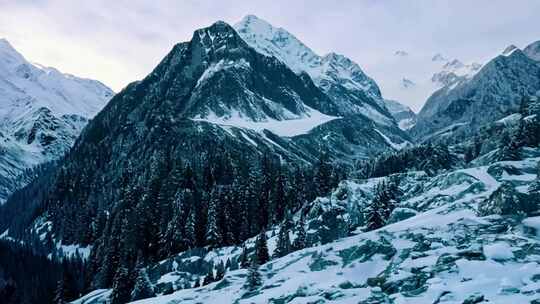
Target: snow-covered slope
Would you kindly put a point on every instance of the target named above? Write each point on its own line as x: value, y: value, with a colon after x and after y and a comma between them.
x: 338, y: 76
x: 42, y: 111
x: 455, y: 238
x: 403, y: 115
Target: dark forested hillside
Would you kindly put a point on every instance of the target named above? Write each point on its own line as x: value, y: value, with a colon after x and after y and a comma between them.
x: 27, y: 276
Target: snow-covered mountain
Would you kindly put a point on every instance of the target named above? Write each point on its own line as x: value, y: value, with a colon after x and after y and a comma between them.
x: 495, y: 90
x: 404, y: 116
x: 42, y: 111
x: 533, y: 51
x: 454, y: 71
x: 411, y: 79
x: 338, y: 76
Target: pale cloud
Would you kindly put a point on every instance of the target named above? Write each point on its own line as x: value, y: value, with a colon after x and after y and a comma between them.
x: 121, y: 41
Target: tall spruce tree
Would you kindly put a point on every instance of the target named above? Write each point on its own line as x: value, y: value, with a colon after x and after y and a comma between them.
x: 300, y: 242
x: 244, y: 258
x: 121, y: 291
x: 254, y: 278
x: 534, y: 187
x: 508, y: 149
x: 220, y: 271
x: 213, y: 238
x: 376, y: 211
x: 59, y: 297
x: 323, y: 175
x: 143, y: 288
x: 261, y: 249
x: 283, y: 246
x: 209, y: 278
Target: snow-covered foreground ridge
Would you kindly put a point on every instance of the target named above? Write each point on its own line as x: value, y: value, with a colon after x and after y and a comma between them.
x: 438, y: 249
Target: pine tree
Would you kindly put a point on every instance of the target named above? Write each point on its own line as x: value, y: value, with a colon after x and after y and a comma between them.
x: 254, y: 278
x: 390, y: 195
x: 534, y: 188
x: 300, y: 242
x: 278, y: 198
x: 323, y: 175
x: 213, y: 238
x: 121, y: 287
x: 190, y: 237
x: 283, y: 246
x: 244, y: 259
x: 143, y: 288
x: 197, y: 283
x: 220, y: 271
x: 508, y: 149
x: 59, y: 293
x: 209, y: 278
x: 233, y: 264
x: 375, y: 213
x: 261, y: 249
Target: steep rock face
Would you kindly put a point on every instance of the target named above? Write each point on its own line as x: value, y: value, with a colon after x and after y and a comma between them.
x: 494, y: 91
x: 42, y: 111
x: 403, y: 115
x: 338, y: 76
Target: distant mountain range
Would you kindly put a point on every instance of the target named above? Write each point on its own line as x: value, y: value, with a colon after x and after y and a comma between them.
x: 495, y: 90
x: 42, y: 111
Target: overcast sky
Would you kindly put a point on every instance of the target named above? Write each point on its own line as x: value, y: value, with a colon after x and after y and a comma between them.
x: 120, y: 41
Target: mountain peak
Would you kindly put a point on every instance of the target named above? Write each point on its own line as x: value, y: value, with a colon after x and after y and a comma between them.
x: 9, y: 57
x: 277, y: 42
x: 509, y: 50
x: 332, y: 72
x: 218, y: 27
x: 533, y: 50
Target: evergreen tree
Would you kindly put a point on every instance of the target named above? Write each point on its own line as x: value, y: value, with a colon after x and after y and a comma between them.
x: 278, y: 198
x: 300, y: 242
x: 375, y: 211
x: 261, y: 249
x: 233, y: 264
x: 59, y: 293
x: 209, y: 278
x: 190, y: 237
x: 143, y: 288
x: 323, y: 175
x: 220, y: 271
x: 213, y: 238
x: 197, y: 283
x: 121, y: 287
x: 534, y: 187
x: 283, y: 246
x: 254, y: 278
x: 244, y: 259
x: 508, y: 149
x: 386, y: 198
